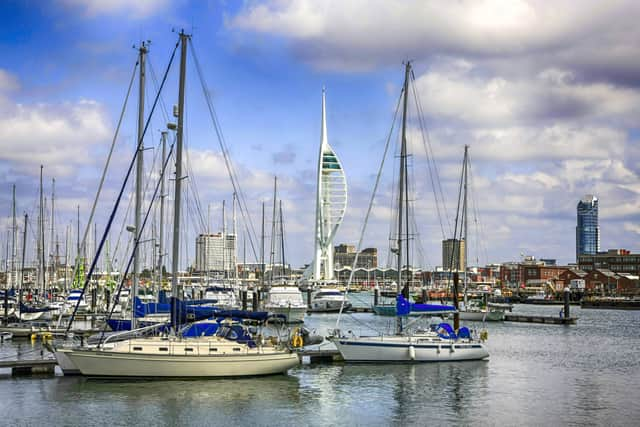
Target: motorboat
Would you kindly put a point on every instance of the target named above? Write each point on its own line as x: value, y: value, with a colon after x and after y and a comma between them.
x: 329, y: 300
x: 286, y: 300
x: 224, y: 296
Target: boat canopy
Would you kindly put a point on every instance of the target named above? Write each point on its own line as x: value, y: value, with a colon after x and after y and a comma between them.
x: 404, y: 307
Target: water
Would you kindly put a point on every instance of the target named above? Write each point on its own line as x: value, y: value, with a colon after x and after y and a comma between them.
x: 587, y: 374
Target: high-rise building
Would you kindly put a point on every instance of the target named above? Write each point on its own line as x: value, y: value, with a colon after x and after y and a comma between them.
x: 216, y: 252
x: 587, y: 229
x: 453, y: 255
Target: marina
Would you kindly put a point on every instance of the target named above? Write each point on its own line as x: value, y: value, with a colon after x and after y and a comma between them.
x: 267, y: 213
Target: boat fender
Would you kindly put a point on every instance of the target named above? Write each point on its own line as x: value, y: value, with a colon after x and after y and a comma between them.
x: 452, y: 348
x: 484, y: 335
x: 412, y: 352
x: 438, y: 349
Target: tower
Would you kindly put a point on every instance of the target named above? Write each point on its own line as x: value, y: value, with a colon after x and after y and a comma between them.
x: 587, y: 229
x: 331, y: 203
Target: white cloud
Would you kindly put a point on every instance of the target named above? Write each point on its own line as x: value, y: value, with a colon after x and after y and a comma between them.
x: 552, y: 95
x: 137, y: 9
x: 361, y: 34
x: 59, y: 136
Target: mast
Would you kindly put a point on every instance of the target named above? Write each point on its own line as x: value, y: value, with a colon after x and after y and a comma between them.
x: 262, y: 249
x: 178, y: 184
x: 464, y: 219
x: 273, y: 229
x: 282, y: 240
x: 52, y: 275
x: 224, y: 242
x: 24, y: 255
x: 162, y: 197
x: 233, y: 250
x: 14, y: 242
x: 139, y: 175
x: 402, y: 192
x: 41, y: 237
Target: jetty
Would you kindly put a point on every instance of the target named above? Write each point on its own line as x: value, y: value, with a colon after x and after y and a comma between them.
x: 30, y: 367
x: 550, y: 320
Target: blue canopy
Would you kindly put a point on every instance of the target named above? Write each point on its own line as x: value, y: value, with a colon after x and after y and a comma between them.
x: 404, y: 307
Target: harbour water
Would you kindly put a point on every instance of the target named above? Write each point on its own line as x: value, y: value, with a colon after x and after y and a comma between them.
x: 584, y: 374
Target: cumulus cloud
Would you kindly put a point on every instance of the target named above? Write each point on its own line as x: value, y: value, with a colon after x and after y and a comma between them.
x: 338, y: 35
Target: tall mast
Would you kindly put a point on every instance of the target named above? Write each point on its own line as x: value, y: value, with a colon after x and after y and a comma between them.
x: 24, y: 255
x: 41, y: 236
x: 233, y: 250
x: 52, y: 275
x: 178, y: 183
x: 139, y: 175
x: 14, y: 241
x: 464, y: 219
x: 402, y: 192
x: 273, y: 228
x: 224, y: 242
x: 282, y: 239
x: 262, y: 249
x: 162, y: 197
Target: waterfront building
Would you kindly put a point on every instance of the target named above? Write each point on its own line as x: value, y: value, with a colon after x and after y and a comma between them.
x: 616, y: 260
x: 344, y: 255
x: 331, y: 203
x: 453, y: 251
x: 587, y: 229
x: 216, y: 252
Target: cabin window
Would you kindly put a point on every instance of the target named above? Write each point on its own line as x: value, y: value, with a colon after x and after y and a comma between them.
x: 163, y: 348
x: 213, y: 349
x: 236, y: 349
x: 188, y: 349
x: 137, y: 348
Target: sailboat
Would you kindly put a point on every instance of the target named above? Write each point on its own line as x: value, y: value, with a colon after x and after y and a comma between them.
x: 233, y: 351
x: 409, y: 343
x: 284, y: 297
x: 471, y: 310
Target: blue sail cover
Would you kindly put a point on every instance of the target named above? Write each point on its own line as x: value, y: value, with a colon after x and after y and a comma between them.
x: 404, y: 307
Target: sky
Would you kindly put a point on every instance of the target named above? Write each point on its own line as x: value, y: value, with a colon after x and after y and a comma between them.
x: 546, y: 95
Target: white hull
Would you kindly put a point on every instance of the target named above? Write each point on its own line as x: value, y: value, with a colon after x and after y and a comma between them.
x: 328, y: 306
x: 407, y: 349
x: 27, y: 317
x: 198, y: 357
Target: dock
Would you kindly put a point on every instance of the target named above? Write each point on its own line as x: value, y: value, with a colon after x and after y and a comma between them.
x: 318, y: 355
x: 549, y: 320
x: 30, y: 367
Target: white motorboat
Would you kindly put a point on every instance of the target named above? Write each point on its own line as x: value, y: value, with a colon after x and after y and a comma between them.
x: 474, y: 312
x: 287, y: 300
x: 225, y: 296
x: 329, y: 300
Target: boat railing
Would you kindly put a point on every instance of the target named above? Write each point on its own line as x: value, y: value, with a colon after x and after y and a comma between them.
x: 134, y: 333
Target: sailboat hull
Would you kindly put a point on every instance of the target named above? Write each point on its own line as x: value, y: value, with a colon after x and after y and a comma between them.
x: 407, y: 350
x: 482, y: 316
x: 235, y: 361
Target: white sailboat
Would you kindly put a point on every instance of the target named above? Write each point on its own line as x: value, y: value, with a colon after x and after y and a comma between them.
x: 232, y: 352
x: 409, y: 343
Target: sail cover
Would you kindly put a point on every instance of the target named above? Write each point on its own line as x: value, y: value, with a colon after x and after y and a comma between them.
x: 404, y: 307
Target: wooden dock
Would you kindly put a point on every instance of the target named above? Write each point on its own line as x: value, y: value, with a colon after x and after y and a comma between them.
x: 549, y: 320
x: 30, y: 367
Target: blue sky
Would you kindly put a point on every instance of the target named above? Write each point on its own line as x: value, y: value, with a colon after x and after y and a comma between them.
x: 546, y: 96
